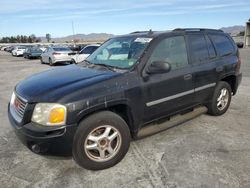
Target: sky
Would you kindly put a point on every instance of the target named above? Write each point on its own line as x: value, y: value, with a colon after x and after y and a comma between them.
x: 116, y: 16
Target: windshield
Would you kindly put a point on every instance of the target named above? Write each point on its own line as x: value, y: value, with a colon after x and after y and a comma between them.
x: 122, y: 52
x: 35, y: 50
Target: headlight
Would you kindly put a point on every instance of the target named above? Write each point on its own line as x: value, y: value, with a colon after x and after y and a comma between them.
x: 49, y: 114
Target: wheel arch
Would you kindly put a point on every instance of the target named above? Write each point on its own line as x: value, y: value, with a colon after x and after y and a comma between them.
x: 122, y: 109
x: 231, y: 80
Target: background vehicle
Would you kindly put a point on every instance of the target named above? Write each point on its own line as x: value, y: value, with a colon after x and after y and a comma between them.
x: 9, y: 49
x: 84, y: 53
x: 32, y: 52
x: 43, y: 48
x: 3, y: 48
x: 18, y: 50
x: 77, y: 48
x: 56, y: 54
x: 124, y: 90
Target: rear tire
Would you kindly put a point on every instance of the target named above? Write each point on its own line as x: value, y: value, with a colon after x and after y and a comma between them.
x: 101, y: 141
x: 41, y: 59
x: 50, y: 62
x: 221, y: 99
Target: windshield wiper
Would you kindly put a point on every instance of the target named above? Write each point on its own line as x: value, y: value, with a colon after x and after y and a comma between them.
x: 105, y: 65
x: 87, y: 61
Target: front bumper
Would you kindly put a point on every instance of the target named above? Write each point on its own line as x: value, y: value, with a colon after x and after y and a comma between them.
x: 47, y: 140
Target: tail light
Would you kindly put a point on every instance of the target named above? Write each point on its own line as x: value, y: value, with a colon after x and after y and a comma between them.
x: 56, y: 53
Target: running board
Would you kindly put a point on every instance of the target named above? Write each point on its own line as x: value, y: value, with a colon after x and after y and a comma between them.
x: 173, y: 121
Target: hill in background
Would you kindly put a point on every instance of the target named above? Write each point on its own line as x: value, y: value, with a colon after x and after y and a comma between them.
x: 100, y: 37
x: 95, y: 37
x: 233, y: 30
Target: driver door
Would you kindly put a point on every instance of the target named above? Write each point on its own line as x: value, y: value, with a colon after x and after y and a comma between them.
x: 169, y: 92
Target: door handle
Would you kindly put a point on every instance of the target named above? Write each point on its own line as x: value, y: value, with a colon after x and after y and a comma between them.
x: 188, y: 77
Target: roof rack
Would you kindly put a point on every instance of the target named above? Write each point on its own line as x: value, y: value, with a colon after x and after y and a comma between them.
x: 138, y: 32
x: 149, y: 32
x: 197, y: 29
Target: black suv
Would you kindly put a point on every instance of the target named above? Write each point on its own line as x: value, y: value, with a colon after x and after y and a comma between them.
x: 132, y: 86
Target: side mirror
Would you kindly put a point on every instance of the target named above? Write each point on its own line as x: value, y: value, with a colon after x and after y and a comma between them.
x: 158, y: 67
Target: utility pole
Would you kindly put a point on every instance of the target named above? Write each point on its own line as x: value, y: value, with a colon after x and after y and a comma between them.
x: 73, y: 30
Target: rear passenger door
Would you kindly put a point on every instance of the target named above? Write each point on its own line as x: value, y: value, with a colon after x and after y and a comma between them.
x: 204, y: 64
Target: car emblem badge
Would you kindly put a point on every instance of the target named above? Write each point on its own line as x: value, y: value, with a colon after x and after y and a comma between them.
x: 17, y: 104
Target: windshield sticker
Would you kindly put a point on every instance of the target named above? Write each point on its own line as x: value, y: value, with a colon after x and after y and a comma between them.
x: 143, y: 40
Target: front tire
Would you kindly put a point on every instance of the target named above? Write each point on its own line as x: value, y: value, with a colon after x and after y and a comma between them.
x: 73, y: 61
x: 101, y: 141
x: 221, y: 99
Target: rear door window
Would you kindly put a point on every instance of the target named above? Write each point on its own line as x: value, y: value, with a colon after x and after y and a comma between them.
x: 222, y: 44
x: 199, y: 49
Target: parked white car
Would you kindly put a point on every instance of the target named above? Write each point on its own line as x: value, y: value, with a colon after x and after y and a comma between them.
x: 3, y: 48
x: 18, y: 50
x: 42, y: 48
x: 55, y: 54
x: 84, y: 53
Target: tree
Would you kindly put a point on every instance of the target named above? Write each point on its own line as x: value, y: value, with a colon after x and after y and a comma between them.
x: 29, y: 39
x: 38, y: 39
x: 25, y: 39
x: 33, y: 37
x: 18, y: 38
x: 48, y: 37
x: 13, y: 39
x: 22, y: 39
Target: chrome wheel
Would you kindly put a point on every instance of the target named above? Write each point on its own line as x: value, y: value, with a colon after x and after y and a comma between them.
x: 103, y: 143
x: 223, y: 99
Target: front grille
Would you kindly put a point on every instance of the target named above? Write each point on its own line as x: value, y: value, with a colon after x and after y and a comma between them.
x: 20, y: 106
x: 17, y: 108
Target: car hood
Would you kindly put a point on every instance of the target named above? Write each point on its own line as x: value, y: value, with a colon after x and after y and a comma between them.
x: 50, y: 85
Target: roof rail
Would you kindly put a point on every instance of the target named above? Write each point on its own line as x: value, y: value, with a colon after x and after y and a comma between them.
x: 138, y: 32
x: 149, y: 32
x: 197, y: 29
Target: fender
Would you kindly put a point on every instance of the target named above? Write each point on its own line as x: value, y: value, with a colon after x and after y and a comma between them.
x: 133, y: 123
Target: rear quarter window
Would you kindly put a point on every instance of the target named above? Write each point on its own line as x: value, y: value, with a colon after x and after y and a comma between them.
x: 222, y: 44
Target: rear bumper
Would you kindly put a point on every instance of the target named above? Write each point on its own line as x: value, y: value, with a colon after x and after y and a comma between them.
x: 238, y: 81
x: 62, y: 59
x: 35, y: 55
x: 19, y: 53
x: 40, y: 139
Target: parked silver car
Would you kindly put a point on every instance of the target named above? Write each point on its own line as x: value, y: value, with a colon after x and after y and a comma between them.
x: 55, y: 54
